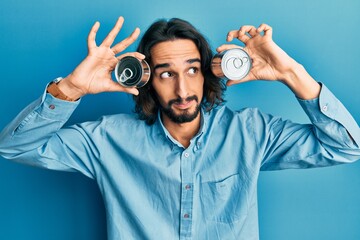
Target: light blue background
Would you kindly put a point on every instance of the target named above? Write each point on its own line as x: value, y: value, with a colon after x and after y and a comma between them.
x: 44, y: 39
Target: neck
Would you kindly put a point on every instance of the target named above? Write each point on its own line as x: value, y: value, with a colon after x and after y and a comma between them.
x: 182, y: 132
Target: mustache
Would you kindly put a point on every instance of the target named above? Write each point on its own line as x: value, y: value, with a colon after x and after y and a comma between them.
x: 182, y: 100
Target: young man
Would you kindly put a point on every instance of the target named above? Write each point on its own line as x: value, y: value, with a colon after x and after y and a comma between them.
x: 186, y: 167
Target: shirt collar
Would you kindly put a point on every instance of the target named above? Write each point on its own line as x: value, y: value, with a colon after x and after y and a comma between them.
x: 204, y: 118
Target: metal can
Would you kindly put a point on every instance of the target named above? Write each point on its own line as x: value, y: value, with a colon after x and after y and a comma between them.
x: 132, y: 72
x: 233, y: 64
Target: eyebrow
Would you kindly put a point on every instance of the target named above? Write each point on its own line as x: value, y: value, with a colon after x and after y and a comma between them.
x: 166, y: 65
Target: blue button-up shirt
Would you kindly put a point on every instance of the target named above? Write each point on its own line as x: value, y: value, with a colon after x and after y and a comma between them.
x: 154, y: 188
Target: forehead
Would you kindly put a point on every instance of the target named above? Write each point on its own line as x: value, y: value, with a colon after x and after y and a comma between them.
x: 172, y: 51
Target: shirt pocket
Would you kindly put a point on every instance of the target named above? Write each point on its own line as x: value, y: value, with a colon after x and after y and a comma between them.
x: 225, y: 200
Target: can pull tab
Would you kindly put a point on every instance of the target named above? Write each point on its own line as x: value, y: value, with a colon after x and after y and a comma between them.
x: 237, y: 62
x: 126, y: 74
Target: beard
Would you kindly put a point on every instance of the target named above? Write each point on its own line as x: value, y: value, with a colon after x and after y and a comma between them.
x: 185, y: 116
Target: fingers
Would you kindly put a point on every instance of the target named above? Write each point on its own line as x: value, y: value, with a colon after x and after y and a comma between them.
x: 266, y: 29
x: 247, y: 32
x: 138, y: 55
x: 92, y: 35
x: 121, y: 46
x: 243, y: 34
x: 227, y: 47
x: 108, y: 41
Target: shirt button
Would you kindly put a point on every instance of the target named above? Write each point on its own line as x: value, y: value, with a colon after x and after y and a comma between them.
x: 51, y: 106
x: 186, y: 155
x: 325, y: 108
x: 187, y: 187
x: 186, y: 215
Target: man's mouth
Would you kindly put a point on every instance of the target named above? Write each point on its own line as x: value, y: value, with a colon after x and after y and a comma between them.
x: 183, y: 103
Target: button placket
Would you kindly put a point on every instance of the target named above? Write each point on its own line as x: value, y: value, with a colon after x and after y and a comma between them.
x: 186, y: 195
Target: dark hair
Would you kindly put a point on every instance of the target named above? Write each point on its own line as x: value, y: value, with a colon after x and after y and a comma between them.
x: 146, y: 103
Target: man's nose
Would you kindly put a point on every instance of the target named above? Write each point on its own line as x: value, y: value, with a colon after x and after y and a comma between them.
x: 182, y: 86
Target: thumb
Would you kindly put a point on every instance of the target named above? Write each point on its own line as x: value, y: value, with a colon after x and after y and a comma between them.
x: 249, y: 77
x: 116, y: 87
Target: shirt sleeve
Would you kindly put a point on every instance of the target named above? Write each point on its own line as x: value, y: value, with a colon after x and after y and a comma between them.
x: 333, y: 137
x: 328, y: 107
x: 35, y: 137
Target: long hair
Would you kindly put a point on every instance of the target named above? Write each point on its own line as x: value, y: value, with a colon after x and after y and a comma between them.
x: 146, y: 103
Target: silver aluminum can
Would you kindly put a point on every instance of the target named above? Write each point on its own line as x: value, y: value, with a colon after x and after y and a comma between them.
x: 132, y: 72
x: 233, y: 64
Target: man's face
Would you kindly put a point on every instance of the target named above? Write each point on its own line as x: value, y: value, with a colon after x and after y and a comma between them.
x: 177, y: 79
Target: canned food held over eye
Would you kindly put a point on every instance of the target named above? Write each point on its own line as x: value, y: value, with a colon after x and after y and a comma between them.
x: 132, y: 72
x: 233, y: 64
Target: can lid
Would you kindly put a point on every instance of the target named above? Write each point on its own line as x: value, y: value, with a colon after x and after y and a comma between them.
x: 236, y: 64
x: 128, y: 71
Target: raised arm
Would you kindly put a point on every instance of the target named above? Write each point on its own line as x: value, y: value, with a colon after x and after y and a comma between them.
x: 36, y: 136
x: 332, y: 138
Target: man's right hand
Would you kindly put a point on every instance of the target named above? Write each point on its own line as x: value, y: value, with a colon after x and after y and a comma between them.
x: 93, y: 74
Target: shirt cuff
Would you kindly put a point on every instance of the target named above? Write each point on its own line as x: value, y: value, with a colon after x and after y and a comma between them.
x: 328, y: 106
x: 54, y: 108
